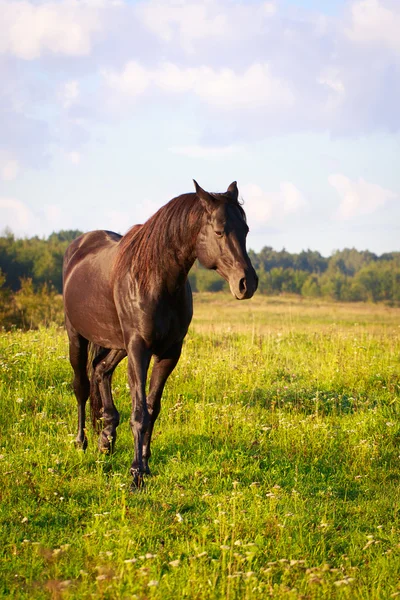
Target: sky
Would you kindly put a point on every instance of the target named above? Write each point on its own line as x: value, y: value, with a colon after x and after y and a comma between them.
x: 109, y: 108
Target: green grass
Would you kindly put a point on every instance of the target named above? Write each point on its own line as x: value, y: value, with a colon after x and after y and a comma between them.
x: 275, y: 464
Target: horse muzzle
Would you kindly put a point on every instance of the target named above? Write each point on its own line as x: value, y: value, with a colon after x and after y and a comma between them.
x: 244, y: 287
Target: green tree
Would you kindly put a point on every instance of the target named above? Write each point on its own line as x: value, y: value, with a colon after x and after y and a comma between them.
x: 310, y: 287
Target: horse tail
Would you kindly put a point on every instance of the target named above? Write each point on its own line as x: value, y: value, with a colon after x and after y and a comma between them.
x: 95, y: 355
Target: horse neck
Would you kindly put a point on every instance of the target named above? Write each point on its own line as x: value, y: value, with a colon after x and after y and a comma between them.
x: 179, y: 256
x: 166, y: 247
x: 159, y: 254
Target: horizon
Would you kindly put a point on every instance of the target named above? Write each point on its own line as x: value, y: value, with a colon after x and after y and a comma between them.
x: 46, y: 237
x: 297, y: 102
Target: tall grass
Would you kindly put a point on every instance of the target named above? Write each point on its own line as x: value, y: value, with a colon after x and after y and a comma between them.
x: 275, y: 464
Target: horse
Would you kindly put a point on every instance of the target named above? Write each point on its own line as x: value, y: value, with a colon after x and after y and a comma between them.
x: 130, y: 296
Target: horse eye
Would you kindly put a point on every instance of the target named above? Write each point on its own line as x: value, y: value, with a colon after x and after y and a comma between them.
x: 219, y: 233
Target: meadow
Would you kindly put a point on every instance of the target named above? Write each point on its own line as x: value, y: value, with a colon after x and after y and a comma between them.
x: 275, y: 467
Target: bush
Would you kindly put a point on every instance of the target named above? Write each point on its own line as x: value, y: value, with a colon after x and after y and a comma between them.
x: 27, y: 309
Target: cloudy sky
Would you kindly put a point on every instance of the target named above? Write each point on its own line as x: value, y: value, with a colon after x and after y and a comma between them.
x: 109, y: 108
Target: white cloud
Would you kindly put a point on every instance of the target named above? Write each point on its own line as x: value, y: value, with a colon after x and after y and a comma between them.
x: 259, y: 206
x: 9, y: 170
x: 74, y: 157
x: 69, y: 93
x: 122, y: 220
x: 24, y: 221
x: 359, y: 197
x: 243, y: 70
x: 332, y: 81
x: 290, y: 199
x: 373, y: 22
x: 192, y: 20
x: 189, y: 22
x: 53, y: 215
x: 17, y: 216
x: 248, y: 66
x: 208, y: 152
x: 269, y: 8
x: 336, y: 94
x: 255, y: 87
x: 264, y: 208
x: 118, y: 221
x: 132, y: 81
x: 67, y: 27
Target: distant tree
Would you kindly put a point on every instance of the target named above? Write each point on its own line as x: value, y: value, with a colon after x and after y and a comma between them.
x: 396, y: 285
x: 310, y: 261
x: 369, y: 280
x: 393, y: 257
x: 5, y: 301
x: 349, y: 261
x: 264, y: 281
x: 271, y: 258
x: 311, y: 287
x: 65, y: 235
x: 209, y: 281
x: 333, y: 284
x: 347, y: 275
x: 255, y: 259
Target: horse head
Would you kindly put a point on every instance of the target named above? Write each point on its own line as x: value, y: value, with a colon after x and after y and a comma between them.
x: 221, y: 243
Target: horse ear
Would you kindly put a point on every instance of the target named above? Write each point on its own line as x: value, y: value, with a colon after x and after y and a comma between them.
x: 233, y: 190
x: 205, y: 198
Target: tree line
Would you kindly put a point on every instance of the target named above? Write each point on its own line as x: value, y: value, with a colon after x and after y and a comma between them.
x: 348, y: 275
x: 31, y: 275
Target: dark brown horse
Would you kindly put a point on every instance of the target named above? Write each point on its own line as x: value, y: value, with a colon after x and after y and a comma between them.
x: 130, y: 296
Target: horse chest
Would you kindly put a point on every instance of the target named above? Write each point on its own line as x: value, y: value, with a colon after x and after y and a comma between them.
x: 160, y: 318
x: 164, y: 328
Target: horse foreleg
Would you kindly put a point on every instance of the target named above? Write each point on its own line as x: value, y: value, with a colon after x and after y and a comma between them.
x: 138, y: 364
x: 162, y: 369
x: 103, y: 374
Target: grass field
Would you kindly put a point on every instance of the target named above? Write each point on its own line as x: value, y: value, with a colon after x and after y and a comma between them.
x: 275, y: 464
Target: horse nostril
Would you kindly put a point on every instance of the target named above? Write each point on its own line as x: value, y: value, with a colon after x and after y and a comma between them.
x: 242, y: 285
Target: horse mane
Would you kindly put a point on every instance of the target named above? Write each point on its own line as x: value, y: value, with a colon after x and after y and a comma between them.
x: 147, y: 250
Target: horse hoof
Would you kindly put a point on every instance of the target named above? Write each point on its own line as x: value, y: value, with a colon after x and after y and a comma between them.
x: 106, y: 444
x: 81, y: 444
x: 106, y: 448
x: 137, y: 482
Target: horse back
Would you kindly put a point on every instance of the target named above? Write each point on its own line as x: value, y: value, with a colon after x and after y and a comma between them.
x: 86, y: 245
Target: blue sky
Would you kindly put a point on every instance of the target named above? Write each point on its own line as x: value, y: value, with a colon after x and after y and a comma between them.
x: 110, y: 108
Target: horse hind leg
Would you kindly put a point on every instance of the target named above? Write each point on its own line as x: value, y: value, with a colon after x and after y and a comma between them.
x: 78, y: 353
x: 96, y: 354
x: 102, y: 377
